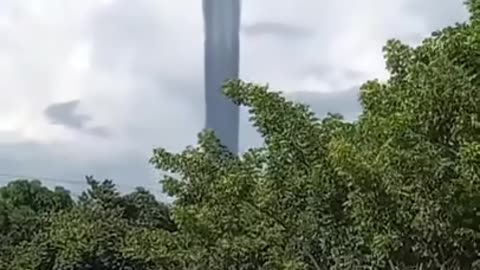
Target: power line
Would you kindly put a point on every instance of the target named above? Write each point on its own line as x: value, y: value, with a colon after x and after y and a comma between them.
x: 56, y: 180
x: 44, y: 178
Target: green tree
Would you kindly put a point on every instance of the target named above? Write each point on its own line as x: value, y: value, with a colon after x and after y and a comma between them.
x: 104, y: 230
x: 397, y: 189
x: 139, y: 207
x: 23, y: 204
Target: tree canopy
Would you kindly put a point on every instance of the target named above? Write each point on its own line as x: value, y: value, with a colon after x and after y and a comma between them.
x: 399, y: 188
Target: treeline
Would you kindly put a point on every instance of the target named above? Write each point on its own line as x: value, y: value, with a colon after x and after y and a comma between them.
x: 397, y: 189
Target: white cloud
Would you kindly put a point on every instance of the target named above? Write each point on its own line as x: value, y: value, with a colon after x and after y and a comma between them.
x: 81, y: 56
x: 348, y: 35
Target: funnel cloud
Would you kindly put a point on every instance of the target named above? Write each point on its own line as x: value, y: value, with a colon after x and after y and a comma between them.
x: 222, y: 42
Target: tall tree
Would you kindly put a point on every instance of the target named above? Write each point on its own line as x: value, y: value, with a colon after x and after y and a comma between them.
x: 399, y: 188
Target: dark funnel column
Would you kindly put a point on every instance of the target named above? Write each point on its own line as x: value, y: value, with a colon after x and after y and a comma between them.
x: 222, y: 25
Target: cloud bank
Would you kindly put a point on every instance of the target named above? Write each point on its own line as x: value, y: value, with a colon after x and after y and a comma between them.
x: 90, y: 87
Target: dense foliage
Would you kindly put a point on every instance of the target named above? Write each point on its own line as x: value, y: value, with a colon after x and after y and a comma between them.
x: 397, y: 189
x: 101, y: 230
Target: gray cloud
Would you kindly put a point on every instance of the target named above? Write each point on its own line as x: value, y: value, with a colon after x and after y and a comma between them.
x: 125, y: 33
x: 66, y: 114
x: 276, y: 29
x: 160, y: 57
x: 146, y: 84
x: 443, y: 14
x: 323, y: 71
x: 344, y: 102
x: 148, y: 43
x: 34, y: 160
x: 99, y: 131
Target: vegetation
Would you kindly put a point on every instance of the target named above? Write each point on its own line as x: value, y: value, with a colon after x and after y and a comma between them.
x: 397, y: 189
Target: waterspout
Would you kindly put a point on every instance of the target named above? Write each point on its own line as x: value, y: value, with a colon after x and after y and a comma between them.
x: 222, y: 43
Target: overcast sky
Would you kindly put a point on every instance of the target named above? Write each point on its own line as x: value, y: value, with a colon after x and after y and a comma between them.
x: 91, y: 86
